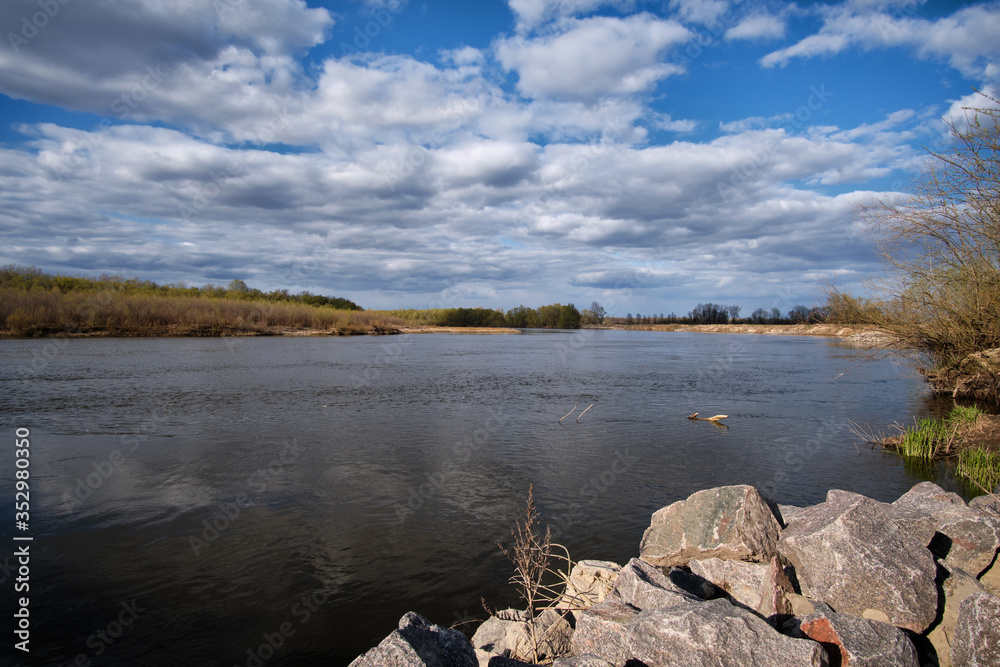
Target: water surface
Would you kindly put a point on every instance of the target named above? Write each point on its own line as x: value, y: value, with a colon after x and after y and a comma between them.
x: 286, y: 500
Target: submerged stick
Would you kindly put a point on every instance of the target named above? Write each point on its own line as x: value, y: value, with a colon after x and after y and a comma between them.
x: 585, y: 411
x: 569, y: 413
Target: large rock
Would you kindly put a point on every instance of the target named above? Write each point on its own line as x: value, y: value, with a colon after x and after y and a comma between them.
x: 643, y: 586
x: 990, y: 579
x: 787, y: 513
x: 500, y: 661
x: 848, y: 552
x: 859, y: 642
x: 582, y: 661
x: 730, y: 522
x: 715, y: 632
x: 762, y: 587
x: 507, y: 634
x: 589, y: 583
x: 959, y: 535
x: 977, y: 634
x: 956, y: 586
x: 418, y: 643
x: 689, y: 633
x: 601, y: 631
x: 989, y: 505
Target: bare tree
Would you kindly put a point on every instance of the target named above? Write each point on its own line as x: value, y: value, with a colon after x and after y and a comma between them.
x: 941, y: 247
x: 598, y: 311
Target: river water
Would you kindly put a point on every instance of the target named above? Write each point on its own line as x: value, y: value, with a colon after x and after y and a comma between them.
x: 283, y: 501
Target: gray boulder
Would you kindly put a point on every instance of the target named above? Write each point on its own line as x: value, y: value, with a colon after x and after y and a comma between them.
x: 589, y: 583
x: 601, y: 631
x: 762, y: 587
x: 989, y: 505
x: 715, y: 632
x: 507, y: 634
x: 418, y: 643
x: 957, y: 586
x: 859, y: 642
x: 689, y: 633
x: 977, y: 633
x: 959, y: 535
x: 643, y: 586
x: 500, y: 661
x: 730, y: 522
x: 582, y: 661
x: 787, y: 513
x: 990, y: 579
x: 848, y: 552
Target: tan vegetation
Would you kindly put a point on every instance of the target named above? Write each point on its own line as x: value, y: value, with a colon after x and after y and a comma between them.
x: 941, y: 248
x: 107, y: 312
x: 830, y: 330
x: 540, y: 585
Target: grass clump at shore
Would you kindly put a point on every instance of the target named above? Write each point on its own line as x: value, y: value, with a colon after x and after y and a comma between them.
x: 967, y: 433
x: 931, y: 438
x: 980, y: 466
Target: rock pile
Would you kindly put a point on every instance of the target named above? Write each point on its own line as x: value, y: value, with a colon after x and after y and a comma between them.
x: 728, y: 577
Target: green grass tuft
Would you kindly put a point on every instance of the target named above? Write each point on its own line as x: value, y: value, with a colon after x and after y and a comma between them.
x: 980, y: 466
x: 922, y: 439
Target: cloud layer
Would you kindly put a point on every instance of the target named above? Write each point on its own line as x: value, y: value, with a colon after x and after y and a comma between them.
x: 542, y: 167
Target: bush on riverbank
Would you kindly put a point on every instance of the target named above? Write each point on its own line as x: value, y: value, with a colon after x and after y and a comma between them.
x: 34, y: 303
x: 942, y: 294
x: 42, y: 312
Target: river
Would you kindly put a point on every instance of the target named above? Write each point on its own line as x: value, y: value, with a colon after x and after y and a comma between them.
x: 283, y: 501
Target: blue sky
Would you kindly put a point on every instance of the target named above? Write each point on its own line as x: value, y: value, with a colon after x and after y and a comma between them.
x: 647, y: 155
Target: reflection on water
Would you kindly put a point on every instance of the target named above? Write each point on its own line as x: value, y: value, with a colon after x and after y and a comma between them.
x: 285, y: 501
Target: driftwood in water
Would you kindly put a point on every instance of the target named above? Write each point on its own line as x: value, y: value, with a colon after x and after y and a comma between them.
x: 694, y: 416
x: 570, y: 412
x: 585, y: 411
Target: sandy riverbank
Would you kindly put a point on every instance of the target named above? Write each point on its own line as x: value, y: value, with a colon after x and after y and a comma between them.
x: 829, y: 330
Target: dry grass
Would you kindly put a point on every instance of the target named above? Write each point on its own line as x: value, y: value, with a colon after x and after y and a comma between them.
x: 531, y: 554
x: 43, y: 312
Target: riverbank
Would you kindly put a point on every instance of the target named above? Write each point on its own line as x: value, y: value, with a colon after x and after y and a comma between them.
x: 215, y: 331
x: 362, y: 323
x: 827, y: 330
x: 726, y: 576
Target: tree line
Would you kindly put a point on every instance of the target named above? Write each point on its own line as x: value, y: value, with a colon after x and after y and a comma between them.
x: 552, y: 316
x: 713, y: 313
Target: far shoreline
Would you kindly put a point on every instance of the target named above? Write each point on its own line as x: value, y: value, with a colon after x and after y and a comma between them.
x: 819, y: 330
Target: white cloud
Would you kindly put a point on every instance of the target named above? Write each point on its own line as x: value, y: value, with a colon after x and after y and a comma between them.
x: 699, y: 11
x: 593, y: 58
x: 533, y: 13
x: 396, y: 176
x: 757, y: 26
x: 967, y: 39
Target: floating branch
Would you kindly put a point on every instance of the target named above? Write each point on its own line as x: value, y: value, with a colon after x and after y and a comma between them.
x: 569, y: 413
x: 694, y: 416
x: 585, y: 411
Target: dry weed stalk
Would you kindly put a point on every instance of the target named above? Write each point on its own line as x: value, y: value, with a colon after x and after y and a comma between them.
x: 531, y: 556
